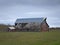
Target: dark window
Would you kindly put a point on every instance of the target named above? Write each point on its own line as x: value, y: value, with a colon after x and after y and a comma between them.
x: 15, y: 24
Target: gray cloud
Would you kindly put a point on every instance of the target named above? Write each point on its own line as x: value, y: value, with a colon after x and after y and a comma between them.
x: 10, y: 10
x: 29, y: 2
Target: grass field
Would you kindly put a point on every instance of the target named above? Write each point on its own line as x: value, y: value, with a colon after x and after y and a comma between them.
x: 30, y: 38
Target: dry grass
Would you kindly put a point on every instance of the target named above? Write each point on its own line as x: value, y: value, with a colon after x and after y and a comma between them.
x: 30, y: 38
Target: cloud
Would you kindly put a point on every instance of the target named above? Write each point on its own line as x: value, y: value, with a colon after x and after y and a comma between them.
x: 10, y: 10
x: 36, y: 13
x: 30, y: 2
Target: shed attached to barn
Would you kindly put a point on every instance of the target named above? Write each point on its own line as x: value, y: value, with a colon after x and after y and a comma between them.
x: 32, y: 24
x: 11, y: 29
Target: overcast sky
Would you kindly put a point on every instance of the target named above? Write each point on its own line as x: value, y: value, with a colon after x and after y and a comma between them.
x: 10, y: 10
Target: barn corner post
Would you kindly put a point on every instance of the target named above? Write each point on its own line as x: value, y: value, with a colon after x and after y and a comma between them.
x: 47, y: 26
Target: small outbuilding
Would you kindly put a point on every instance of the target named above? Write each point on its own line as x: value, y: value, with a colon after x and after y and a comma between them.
x: 11, y: 29
x: 32, y: 24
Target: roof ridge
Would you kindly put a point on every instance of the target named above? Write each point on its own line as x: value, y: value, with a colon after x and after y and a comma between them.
x: 32, y: 18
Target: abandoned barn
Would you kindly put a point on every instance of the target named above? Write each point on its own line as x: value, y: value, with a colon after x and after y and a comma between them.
x: 32, y: 24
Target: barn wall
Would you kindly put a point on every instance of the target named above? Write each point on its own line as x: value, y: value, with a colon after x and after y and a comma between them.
x: 44, y: 26
x: 29, y: 27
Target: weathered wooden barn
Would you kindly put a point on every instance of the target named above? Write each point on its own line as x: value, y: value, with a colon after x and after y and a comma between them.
x: 32, y: 24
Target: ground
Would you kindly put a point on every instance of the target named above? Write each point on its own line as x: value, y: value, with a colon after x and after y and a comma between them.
x: 30, y: 38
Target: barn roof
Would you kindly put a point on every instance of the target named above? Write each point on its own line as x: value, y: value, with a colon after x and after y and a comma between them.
x: 28, y: 20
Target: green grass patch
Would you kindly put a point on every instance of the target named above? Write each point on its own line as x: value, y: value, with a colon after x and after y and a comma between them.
x: 30, y: 38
